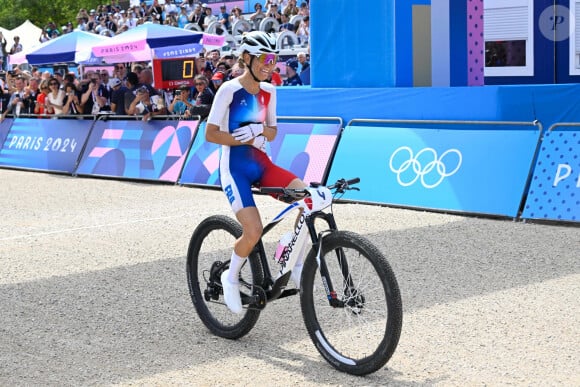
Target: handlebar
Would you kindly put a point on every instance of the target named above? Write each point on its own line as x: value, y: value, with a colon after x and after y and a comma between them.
x: 340, y: 186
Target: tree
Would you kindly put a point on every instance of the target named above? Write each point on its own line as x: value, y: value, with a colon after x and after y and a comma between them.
x: 40, y: 12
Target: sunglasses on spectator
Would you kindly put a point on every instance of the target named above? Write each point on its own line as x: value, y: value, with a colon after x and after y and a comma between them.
x: 119, y: 67
x: 267, y: 59
x: 53, y: 84
x: 199, y: 84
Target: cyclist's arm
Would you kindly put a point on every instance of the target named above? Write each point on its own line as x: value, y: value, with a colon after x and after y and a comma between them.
x: 218, y: 117
x: 215, y: 135
x: 271, y: 124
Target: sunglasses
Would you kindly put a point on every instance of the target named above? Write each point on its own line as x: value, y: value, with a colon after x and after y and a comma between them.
x: 53, y: 84
x: 119, y: 67
x: 267, y: 59
x: 200, y: 84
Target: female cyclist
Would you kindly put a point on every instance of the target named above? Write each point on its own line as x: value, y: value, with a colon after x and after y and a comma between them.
x: 242, y: 119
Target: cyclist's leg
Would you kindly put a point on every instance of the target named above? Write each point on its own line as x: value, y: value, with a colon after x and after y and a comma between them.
x: 251, y: 222
x: 276, y: 176
x: 236, y: 184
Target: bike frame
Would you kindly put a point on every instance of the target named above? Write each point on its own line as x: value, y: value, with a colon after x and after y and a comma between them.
x: 311, y: 206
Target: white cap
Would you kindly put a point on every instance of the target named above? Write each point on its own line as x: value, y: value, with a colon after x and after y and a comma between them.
x: 113, y: 82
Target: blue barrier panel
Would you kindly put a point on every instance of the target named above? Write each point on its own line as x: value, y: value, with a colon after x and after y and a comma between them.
x: 554, y: 192
x: 464, y: 170
x: 155, y: 150
x: 4, y: 129
x: 44, y: 144
x: 304, y: 148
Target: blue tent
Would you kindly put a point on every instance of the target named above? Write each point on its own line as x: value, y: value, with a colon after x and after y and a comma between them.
x: 136, y: 44
x: 74, y: 47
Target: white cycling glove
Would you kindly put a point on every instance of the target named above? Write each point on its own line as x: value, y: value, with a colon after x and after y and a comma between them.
x: 246, y: 133
x: 260, y: 143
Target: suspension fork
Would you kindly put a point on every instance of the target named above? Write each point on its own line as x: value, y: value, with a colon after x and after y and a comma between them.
x: 316, y: 241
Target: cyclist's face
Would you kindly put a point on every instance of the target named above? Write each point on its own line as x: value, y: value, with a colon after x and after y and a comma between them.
x: 262, y: 65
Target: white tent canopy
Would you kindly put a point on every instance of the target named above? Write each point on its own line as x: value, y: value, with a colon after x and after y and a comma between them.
x: 29, y: 35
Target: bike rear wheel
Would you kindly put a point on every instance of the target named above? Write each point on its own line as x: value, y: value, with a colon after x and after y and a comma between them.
x: 208, y: 256
x: 361, y: 332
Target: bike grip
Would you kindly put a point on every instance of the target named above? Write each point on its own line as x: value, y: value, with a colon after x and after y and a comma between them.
x: 353, y: 181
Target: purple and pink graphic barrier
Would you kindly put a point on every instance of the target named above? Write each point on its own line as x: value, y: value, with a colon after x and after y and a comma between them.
x: 305, y: 148
x: 155, y: 150
x: 43, y: 144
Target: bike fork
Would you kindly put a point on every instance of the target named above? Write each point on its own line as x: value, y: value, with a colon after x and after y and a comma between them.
x: 317, y: 241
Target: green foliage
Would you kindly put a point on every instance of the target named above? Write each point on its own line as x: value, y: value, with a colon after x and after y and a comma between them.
x: 40, y: 12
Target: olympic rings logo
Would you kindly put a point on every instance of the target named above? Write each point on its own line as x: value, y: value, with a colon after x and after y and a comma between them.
x: 432, y: 173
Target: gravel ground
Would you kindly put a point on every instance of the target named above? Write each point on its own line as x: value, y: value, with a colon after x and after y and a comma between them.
x: 93, y: 292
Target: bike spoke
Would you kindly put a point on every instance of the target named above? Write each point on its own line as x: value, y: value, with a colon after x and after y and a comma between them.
x: 344, y: 328
x: 210, y: 250
x: 360, y: 335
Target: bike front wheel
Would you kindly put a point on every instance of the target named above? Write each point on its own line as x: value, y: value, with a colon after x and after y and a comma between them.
x: 358, y: 331
x: 208, y: 256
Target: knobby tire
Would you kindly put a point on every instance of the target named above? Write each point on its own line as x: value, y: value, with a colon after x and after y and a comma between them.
x: 213, y: 240
x: 360, y: 337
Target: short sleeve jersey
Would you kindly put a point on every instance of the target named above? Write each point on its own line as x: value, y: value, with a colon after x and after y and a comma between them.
x: 234, y: 107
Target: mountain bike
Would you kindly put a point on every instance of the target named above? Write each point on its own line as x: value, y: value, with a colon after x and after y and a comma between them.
x: 349, y: 296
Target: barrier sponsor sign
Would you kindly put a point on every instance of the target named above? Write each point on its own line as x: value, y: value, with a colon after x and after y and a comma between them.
x: 554, y: 192
x: 155, y: 150
x: 4, y: 129
x: 476, y: 171
x: 183, y: 51
x: 305, y: 148
x: 44, y: 144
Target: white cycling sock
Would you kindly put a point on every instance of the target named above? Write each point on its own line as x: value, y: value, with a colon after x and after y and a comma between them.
x: 236, y: 263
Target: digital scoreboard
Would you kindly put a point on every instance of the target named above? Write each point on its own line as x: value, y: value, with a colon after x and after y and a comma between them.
x: 172, y: 73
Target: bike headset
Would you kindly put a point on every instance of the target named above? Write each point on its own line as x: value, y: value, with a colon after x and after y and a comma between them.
x: 257, y: 43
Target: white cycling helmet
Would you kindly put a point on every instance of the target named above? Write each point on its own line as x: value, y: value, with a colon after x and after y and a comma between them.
x: 258, y: 42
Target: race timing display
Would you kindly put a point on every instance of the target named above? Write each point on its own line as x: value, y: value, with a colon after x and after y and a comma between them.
x: 172, y: 73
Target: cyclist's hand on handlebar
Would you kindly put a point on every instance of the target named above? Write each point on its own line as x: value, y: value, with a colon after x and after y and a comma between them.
x: 248, y: 132
x: 260, y: 142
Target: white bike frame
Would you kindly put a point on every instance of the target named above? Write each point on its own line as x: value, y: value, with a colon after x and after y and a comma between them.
x: 318, y: 199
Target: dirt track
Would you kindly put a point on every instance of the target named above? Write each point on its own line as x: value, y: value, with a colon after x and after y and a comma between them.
x: 93, y: 292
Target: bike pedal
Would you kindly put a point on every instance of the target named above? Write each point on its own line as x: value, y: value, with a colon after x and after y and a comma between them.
x: 257, y: 300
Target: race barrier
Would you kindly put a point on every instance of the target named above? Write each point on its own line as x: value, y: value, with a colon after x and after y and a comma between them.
x: 152, y: 150
x: 554, y: 192
x: 304, y: 145
x: 453, y: 166
x: 53, y: 145
x: 4, y: 129
x: 496, y: 168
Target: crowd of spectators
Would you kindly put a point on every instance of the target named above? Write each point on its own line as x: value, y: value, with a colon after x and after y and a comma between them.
x: 111, y: 19
x: 128, y: 89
